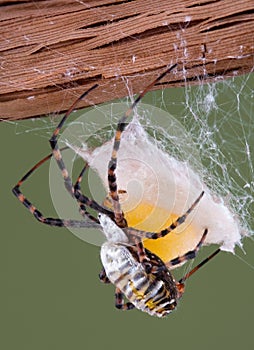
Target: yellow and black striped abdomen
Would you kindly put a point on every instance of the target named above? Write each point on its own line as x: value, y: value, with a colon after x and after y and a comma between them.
x: 154, y: 293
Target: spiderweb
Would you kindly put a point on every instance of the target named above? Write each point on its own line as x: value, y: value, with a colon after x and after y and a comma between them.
x: 219, y: 118
x: 210, y: 127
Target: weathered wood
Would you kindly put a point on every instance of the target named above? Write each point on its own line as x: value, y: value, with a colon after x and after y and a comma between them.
x: 52, y: 51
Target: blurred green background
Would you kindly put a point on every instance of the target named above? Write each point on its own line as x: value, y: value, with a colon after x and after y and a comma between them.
x: 51, y: 297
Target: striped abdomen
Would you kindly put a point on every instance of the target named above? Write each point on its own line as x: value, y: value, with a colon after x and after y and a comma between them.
x: 155, y: 294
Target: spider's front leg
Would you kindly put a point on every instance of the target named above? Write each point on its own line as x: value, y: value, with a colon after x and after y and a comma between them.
x: 36, y: 212
x: 112, y: 165
x: 54, y: 143
x: 78, y: 195
x: 74, y: 191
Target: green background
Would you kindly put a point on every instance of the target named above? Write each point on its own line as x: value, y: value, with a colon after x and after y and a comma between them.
x: 51, y: 297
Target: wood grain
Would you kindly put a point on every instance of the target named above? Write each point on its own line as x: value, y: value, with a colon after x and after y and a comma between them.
x: 52, y: 51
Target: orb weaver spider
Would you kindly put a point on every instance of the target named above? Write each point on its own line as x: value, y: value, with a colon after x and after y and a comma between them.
x: 138, y: 275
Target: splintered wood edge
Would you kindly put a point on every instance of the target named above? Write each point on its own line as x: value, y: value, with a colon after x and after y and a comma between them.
x: 53, y: 51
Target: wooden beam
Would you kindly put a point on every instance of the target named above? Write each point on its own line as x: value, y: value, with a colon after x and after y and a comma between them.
x: 51, y: 51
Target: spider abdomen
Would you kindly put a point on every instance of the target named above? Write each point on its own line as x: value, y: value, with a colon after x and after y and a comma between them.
x: 155, y: 294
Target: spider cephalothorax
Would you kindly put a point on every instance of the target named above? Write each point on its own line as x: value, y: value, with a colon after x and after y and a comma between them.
x: 138, y: 274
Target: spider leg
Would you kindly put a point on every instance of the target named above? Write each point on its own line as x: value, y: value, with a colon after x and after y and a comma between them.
x: 181, y: 283
x: 54, y: 146
x: 112, y: 182
x: 196, y: 268
x: 142, y: 256
x: 36, y: 213
x: 119, y: 301
x: 155, y: 235
x: 84, y: 200
x: 77, y: 189
x: 58, y: 157
x: 191, y: 254
x: 103, y: 277
x: 80, y: 178
x: 146, y: 258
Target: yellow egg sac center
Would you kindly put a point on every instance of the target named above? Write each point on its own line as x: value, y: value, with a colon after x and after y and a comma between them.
x: 146, y: 217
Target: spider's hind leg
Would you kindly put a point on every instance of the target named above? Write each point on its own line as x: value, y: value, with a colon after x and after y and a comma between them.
x: 119, y: 301
x: 191, y: 254
x: 180, y: 220
x: 103, y: 277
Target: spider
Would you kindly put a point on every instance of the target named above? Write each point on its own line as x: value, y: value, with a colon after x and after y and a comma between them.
x: 139, y: 276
